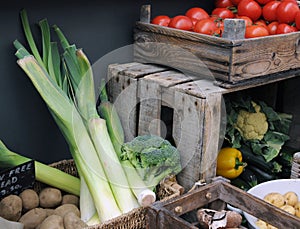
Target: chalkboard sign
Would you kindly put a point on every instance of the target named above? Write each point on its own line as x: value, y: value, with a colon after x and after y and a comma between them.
x: 17, y: 179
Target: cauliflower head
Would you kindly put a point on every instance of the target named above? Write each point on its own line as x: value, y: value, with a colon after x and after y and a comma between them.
x: 252, y: 125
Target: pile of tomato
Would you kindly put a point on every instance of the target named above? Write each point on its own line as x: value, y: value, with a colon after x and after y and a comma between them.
x: 262, y: 17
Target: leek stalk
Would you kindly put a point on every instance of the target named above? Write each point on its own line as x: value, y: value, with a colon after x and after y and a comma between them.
x: 144, y: 195
x: 43, y: 173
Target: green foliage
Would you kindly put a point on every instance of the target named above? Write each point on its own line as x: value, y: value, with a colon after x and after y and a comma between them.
x: 270, y: 145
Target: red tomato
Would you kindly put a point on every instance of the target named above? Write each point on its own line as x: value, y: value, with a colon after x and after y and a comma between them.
x: 261, y: 22
x: 248, y: 20
x: 249, y: 8
x: 283, y: 28
x: 220, y: 25
x: 235, y: 2
x: 181, y: 22
x: 196, y: 13
x: 263, y: 2
x: 223, y: 13
x: 223, y: 3
x: 206, y: 26
x: 256, y: 31
x: 269, y: 11
x: 297, y: 20
x: 162, y: 20
x: 286, y: 12
x: 272, y: 27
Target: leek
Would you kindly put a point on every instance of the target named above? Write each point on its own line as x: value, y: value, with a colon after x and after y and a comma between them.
x: 43, y: 173
x: 82, y: 81
x: 81, y: 146
x: 144, y: 195
x: 67, y: 88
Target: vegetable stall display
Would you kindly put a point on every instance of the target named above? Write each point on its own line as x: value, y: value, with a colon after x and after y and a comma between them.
x: 262, y: 18
x: 66, y: 84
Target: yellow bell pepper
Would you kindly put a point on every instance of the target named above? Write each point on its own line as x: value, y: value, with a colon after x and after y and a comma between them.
x: 229, y: 163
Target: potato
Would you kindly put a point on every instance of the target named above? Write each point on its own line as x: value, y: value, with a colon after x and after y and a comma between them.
x: 234, y: 219
x: 52, y: 222
x: 291, y: 198
x: 50, y: 197
x: 271, y: 227
x: 30, y: 199
x: 261, y: 224
x: 297, y: 209
x: 64, y: 209
x: 49, y: 211
x: 288, y: 208
x: 11, y: 207
x: 275, y: 199
x: 33, y: 218
x: 70, y: 199
x: 72, y: 221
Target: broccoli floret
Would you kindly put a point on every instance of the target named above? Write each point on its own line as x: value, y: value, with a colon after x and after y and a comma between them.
x: 154, y: 158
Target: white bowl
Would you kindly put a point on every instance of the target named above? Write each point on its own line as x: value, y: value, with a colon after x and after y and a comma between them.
x: 261, y: 190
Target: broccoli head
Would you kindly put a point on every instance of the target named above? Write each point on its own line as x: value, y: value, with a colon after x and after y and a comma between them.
x: 153, y: 157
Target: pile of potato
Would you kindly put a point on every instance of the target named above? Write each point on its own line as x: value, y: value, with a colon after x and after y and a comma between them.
x: 48, y: 209
x: 288, y: 202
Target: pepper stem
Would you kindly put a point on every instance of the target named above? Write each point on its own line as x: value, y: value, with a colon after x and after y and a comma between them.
x: 239, y: 163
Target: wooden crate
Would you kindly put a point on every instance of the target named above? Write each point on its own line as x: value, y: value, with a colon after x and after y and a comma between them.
x: 232, y: 59
x: 140, y: 93
x: 169, y: 214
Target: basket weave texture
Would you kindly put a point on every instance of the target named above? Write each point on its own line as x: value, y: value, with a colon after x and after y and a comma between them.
x: 135, y: 219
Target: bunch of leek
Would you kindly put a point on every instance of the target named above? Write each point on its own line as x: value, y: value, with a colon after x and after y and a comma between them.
x: 66, y: 85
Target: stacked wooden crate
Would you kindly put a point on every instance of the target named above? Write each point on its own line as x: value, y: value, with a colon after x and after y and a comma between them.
x: 141, y: 92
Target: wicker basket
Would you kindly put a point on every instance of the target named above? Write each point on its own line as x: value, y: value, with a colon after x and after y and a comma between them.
x: 135, y: 219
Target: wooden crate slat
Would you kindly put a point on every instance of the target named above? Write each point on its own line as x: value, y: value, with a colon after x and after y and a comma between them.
x: 212, y: 137
x: 150, y: 107
x: 185, y: 55
x: 169, y: 78
x: 123, y: 92
x: 200, y: 88
x: 187, y: 133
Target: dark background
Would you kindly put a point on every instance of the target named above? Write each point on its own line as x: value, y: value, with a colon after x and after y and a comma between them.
x: 99, y: 28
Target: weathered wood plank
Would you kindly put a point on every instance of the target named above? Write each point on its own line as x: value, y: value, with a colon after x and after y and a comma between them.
x: 213, y: 134
x: 123, y: 92
x: 150, y: 108
x: 234, y: 29
x: 181, y: 54
x: 145, y: 13
x: 187, y: 133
